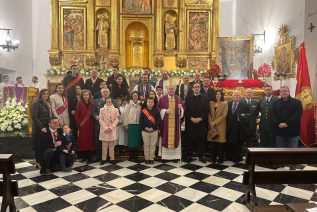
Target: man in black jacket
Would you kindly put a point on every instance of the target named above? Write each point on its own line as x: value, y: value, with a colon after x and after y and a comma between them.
x: 208, y: 91
x: 234, y: 134
x: 196, y: 119
x: 286, y: 116
x: 93, y: 83
x: 71, y: 80
x: 183, y: 89
x: 49, y: 145
x: 112, y: 79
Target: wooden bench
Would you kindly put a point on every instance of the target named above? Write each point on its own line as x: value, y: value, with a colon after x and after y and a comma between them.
x: 271, y: 157
x: 8, y: 188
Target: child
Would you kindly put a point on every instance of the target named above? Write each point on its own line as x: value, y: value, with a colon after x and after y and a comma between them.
x: 159, y: 92
x: 109, y: 119
x: 149, y: 120
x: 131, y: 123
x: 123, y: 134
x: 67, y: 156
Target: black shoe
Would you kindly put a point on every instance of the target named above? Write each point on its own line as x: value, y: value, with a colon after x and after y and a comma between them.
x: 220, y: 161
x: 113, y: 162
x: 102, y: 162
x: 202, y: 159
x: 151, y: 162
x: 47, y: 172
x: 147, y: 162
x: 66, y: 170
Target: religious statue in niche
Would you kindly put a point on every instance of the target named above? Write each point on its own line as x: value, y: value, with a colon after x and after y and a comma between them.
x: 170, y: 33
x: 102, y: 29
x: 137, y: 6
x: 198, y: 31
x: 73, y: 25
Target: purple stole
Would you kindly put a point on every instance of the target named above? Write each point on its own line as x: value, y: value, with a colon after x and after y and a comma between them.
x: 163, y: 104
x: 161, y: 83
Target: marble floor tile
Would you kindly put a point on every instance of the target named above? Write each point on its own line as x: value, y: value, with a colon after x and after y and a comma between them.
x: 116, y: 196
x: 154, y: 195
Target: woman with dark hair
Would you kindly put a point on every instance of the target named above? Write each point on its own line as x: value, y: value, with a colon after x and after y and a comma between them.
x: 217, y: 127
x: 86, y: 126
x: 131, y: 122
x: 119, y: 89
x: 152, y: 95
x: 40, y: 114
x: 59, y: 104
x: 72, y: 108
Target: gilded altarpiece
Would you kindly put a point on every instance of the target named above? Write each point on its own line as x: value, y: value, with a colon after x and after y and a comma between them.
x: 160, y: 34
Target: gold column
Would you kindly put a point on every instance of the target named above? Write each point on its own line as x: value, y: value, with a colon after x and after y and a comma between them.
x: 159, y: 31
x: 91, y: 25
x: 54, y: 26
x: 114, y: 26
x: 215, y: 27
x: 182, y: 26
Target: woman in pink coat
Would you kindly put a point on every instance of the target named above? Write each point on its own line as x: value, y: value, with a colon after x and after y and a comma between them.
x: 109, y: 118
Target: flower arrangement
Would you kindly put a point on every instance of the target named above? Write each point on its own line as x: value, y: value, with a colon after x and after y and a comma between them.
x: 13, y: 118
x: 214, y: 70
x: 265, y: 70
x: 125, y: 72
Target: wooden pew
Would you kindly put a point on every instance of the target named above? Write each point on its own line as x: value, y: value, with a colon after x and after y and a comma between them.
x: 271, y: 157
x: 8, y: 188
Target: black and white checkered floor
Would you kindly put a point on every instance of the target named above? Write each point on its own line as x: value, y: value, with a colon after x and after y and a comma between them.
x: 130, y: 186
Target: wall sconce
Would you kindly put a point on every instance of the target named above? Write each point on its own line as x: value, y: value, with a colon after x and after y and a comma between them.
x: 9, y: 43
x: 257, y: 49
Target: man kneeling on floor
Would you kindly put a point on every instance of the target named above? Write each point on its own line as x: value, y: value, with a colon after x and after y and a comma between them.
x: 50, y: 146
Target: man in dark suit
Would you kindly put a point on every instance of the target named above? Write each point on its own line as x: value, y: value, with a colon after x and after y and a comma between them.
x: 267, y: 135
x: 50, y: 141
x: 102, y: 85
x: 208, y: 91
x: 93, y: 83
x: 183, y: 89
x: 234, y: 134
x: 112, y: 79
x: 253, y: 105
x: 196, y: 80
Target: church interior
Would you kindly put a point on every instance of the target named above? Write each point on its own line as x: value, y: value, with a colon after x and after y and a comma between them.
x: 238, y: 45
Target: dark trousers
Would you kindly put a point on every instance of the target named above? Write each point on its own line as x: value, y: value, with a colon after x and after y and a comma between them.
x: 217, y: 150
x: 233, y: 151
x: 98, y: 142
x: 35, y: 144
x: 267, y: 137
x: 66, y: 160
x: 197, y: 145
x: 47, y: 159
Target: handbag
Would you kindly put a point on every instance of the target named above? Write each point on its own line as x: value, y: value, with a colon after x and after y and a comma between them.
x: 212, y: 132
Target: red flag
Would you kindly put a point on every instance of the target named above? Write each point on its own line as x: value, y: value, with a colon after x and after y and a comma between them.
x: 304, y: 94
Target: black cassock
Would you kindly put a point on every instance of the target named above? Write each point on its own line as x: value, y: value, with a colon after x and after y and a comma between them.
x: 196, y: 134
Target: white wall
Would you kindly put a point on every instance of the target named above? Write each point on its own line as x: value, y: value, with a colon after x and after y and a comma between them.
x: 16, y: 14
x: 257, y: 16
x: 41, y: 37
x: 227, y: 18
x: 311, y: 42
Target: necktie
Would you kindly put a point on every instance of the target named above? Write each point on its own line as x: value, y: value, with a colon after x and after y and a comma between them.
x: 267, y: 100
x: 234, y: 107
x: 54, y: 136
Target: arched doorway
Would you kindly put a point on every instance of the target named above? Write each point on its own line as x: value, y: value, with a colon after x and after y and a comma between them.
x: 137, y: 45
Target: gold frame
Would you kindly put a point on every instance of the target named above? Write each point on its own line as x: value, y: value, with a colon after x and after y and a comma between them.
x: 137, y: 14
x: 287, y: 41
x: 209, y: 41
x: 61, y: 32
x: 238, y: 38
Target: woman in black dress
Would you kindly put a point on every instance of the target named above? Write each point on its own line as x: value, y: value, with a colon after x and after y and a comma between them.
x: 72, y: 103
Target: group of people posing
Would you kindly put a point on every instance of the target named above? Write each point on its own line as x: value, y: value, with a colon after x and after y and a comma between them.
x: 90, y: 118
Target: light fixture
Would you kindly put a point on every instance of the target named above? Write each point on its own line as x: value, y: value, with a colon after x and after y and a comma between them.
x: 9, y: 44
x: 257, y: 49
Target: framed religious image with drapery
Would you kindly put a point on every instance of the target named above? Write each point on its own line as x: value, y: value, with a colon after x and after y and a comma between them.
x: 284, y: 55
x: 235, y: 56
x: 73, y: 25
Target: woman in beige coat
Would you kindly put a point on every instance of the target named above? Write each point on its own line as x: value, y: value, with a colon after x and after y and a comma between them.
x: 217, y: 120
x: 59, y: 105
x: 109, y: 118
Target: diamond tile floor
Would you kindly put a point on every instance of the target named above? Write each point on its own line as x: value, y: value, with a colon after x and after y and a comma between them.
x: 131, y: 186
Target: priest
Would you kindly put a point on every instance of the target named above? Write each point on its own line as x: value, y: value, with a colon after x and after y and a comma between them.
x: 196, y: 122
x: 171, y: 110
